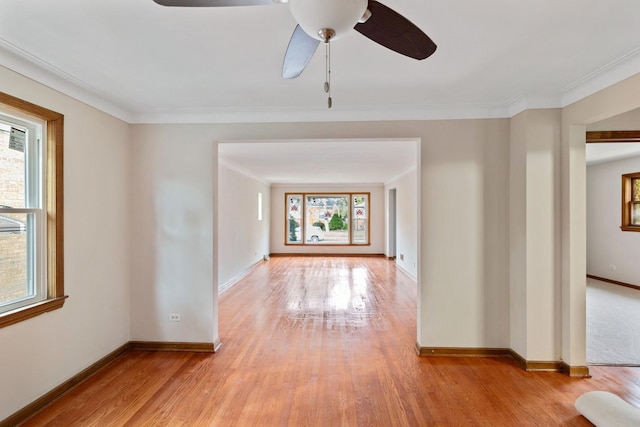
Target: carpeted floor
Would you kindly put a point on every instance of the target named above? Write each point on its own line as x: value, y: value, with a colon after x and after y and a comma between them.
x: 613, y: 324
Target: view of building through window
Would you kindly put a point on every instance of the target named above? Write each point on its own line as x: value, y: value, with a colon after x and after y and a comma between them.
x: 327, y: 219
x: 19, y: 205
x: 13, y: 237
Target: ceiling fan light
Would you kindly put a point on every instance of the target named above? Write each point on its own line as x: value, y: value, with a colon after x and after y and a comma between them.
x: 338, y: 15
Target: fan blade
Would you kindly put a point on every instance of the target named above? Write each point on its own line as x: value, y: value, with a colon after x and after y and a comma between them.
x: 392, y: 30
x: 299, y: 52
x: 214, y: 3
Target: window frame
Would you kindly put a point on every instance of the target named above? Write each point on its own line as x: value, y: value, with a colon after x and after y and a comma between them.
x: 52, y: 163
x: 628, y: 203
x: 303, y: 202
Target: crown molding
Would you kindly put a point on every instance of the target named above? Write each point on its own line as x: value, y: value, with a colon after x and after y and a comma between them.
x: 608, y: 75
x: 347, y: 113
x: 30, y: 66
x: 520, y: 103
x: 22, y: 62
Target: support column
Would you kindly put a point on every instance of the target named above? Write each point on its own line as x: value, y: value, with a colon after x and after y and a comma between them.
x: 535, y: 235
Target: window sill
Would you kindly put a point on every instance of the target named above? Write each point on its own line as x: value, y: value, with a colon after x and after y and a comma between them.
x: 30, y: 311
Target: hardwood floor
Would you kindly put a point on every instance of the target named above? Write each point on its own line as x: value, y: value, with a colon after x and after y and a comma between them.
x: 325, y: 341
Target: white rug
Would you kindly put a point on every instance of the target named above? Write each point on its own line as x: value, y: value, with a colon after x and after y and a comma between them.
x: 606, y: 409
x: 613, y: 324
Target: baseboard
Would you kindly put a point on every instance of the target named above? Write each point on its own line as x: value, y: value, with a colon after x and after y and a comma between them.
x: 575, y: 371
x: 405, y: 272
x: 229, y: 283
x: 615, y: 282
x: 527, y: 365
x: 314, y: 254
x: 39, y: 404
x: 197, y: 347
x: 536, y: 365
x: 461, y: 352
x: 391, y: 258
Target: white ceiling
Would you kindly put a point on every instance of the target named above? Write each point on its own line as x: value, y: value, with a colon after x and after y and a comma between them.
x: 146, y: 63
x: 321, y: 162
x: 607, y: 152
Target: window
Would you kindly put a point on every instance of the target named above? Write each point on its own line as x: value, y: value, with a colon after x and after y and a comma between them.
x: 327, y: 219
x: 631, y: 202
x: 31, y: 208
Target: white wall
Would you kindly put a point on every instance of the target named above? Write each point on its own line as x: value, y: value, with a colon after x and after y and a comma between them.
x: 376, y: 224
x: 41, y: 353
x: 406, y: 221
x: 243, y: 239
x: 606, y: 243
x: 172, y: 239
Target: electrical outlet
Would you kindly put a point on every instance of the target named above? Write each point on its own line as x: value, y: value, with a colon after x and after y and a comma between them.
x: 174, y: 317
x: 401, y: 257
x: 612, y: 267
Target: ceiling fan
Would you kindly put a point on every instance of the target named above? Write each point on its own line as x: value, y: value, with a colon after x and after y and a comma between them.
x: 328, y: 20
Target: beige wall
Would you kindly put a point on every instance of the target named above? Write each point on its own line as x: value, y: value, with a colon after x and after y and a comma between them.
x: 625, y: 121
x: 464, y: 211
x: 534, y: 234
x: 174, y: 206
x: 51, y: 348
x: 407, y: 231
x: 463, y: 285
x: 243, y: 239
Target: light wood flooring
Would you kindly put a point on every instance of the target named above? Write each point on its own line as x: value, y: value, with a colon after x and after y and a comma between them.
x: 325, y: 341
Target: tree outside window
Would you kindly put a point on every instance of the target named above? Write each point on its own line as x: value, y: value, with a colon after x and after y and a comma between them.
x: 327, y: 219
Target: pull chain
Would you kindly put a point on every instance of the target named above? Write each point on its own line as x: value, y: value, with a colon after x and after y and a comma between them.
x: 327, y: 72
x: 327, y: 34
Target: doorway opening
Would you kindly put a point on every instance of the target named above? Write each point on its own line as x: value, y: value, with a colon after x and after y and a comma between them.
x: 391, y: 254
x: 613, y: 279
